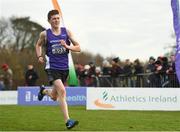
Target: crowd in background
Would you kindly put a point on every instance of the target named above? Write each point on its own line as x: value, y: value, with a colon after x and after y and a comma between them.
x: 6, y: 77
x: 158, y: 72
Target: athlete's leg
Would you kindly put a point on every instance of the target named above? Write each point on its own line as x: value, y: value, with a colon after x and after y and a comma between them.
x: 51, y: 93
x: 59, y: 86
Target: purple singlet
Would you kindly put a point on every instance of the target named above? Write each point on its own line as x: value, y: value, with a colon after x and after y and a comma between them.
x: 56, y: 55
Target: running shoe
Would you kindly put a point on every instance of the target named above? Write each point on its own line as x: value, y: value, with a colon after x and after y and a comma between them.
x: 40, y: 94
x: 71, y: 123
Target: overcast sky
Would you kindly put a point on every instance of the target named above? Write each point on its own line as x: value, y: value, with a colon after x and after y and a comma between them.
x: 124, y: 28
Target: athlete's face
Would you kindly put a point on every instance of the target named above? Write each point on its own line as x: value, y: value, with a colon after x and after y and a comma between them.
x: 55, y: 21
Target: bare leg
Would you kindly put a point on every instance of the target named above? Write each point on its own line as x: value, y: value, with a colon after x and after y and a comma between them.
x: 59, y: 87
x: 59, y: 93
x: 51, y: 93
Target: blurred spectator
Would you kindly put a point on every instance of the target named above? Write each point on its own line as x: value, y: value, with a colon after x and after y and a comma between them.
x: 92, y: 74
x: 1, y: 83
x: 165, y: 65
x: 116, y: 70
x: 128, y: 72
x: 98, y: 74
x: 150, y: 69
x: 31, y: 76
x: 106, y: 68
x: 7, y: 77
x: 172, y: 63
x: 79, y: 72
x: 138, y: 69
x: 98, y: 71
x: 151, y: 65
x: 127, y: 68
x: 79, y: 69
x: 105, y: 79
x: 87, y: 79
x: 92, y: 69
x: 157, y: 82
x: 172, y: 80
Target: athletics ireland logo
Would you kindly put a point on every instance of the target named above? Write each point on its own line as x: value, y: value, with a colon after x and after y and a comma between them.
x: 102, y: 102
x: 105, y: 95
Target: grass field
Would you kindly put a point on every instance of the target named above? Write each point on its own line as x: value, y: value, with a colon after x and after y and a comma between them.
x: 49, y: 118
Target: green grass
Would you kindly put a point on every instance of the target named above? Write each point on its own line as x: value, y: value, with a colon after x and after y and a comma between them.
x: 49, y: 118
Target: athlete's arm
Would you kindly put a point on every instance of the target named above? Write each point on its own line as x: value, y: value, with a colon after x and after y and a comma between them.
x: 75, y: 45
x: 38, y: 47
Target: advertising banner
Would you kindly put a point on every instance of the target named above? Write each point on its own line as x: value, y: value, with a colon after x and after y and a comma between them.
x: 28, y: 96
x: 167, y: 99
x: 8, y: 97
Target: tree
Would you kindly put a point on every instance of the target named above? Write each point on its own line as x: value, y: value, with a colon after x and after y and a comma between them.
x: 4, y: 31
x: 25, y: 32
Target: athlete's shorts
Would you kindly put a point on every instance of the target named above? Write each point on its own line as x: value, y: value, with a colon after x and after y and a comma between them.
x: 57, y: 74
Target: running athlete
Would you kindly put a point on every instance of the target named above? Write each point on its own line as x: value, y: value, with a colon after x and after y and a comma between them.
x: 57, y: 41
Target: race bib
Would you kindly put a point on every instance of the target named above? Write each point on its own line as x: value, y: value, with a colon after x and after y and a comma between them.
x: 58, y: 49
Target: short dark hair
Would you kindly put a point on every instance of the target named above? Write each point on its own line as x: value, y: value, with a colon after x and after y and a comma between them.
x: 51, y: 13
x: 116, y: 60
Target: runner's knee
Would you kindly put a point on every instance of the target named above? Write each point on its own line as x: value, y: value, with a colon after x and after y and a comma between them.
x: 63, y: 92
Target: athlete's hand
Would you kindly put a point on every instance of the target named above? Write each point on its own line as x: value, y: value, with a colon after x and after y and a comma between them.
x: 41, y: 60
x: 63, y: 43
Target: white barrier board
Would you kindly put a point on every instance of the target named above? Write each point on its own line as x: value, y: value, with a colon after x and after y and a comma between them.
x: 8, y: 97
x: 167, y: 99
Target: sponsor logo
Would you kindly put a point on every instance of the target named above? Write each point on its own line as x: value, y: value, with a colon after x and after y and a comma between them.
x: 28, y: 96
x: 102, y: 102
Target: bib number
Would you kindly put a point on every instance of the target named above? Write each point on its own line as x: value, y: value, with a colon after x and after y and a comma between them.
x: 58, y: 49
